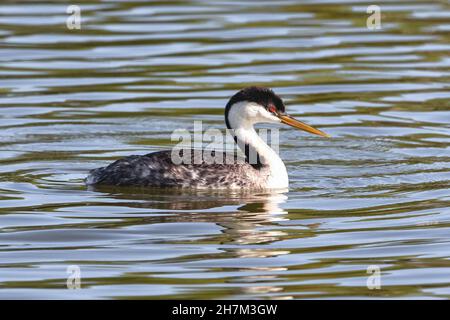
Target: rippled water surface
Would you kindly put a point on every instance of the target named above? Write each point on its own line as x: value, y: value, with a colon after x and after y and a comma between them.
x: 377, y: 194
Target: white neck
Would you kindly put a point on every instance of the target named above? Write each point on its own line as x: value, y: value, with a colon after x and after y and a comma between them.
x: 242, y: 116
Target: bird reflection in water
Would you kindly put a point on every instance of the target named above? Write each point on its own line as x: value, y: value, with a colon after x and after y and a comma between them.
x: 243, y: 215
x: 246, y: 219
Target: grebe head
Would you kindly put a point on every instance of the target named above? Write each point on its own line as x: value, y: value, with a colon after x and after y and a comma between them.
x: 253, y: 105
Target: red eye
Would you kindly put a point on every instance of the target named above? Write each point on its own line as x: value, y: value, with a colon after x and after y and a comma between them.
x: 272, y: 109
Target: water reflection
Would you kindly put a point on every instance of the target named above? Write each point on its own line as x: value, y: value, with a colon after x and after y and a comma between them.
x: 242, y: 216
x: 251, y: 210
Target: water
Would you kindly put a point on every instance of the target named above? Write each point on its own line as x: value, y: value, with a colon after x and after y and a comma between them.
x: 377, y: 194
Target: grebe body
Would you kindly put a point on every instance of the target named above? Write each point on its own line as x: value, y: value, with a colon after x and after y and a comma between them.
x: 265, y: 170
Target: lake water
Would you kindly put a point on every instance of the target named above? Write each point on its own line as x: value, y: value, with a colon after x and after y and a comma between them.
x: 376, y: 196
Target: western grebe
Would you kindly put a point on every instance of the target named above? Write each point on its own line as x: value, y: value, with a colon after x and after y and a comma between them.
x: 247, y: 107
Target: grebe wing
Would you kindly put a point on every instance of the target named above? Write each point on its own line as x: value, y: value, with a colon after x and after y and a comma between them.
x: 157, y: 170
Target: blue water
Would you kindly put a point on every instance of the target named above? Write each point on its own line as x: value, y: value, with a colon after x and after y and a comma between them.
x: 376, y: 194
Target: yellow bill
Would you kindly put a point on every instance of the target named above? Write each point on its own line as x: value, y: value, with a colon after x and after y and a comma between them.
x: 302, y: 126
